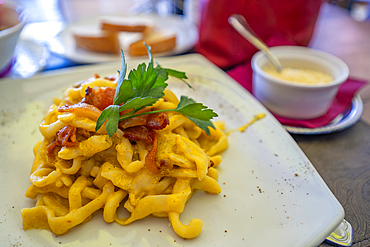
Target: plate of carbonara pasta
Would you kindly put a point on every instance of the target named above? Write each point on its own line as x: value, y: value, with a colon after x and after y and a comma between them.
x: 176, y: 154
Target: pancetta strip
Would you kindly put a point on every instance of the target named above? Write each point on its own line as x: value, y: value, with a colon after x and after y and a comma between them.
x: 99, y: 97
x: 150, y: 137
x: 132, y: 122
x: 139, y: 133
x: 150, y: 157
x: 66, y: 137
x: 156, y: 121
x: 82, y: 110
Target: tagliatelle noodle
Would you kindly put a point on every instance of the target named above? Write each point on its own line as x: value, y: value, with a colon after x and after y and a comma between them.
x: 95, y: 171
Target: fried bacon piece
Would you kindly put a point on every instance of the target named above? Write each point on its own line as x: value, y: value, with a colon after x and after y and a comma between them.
x: 82, y: 109
x: 142, y: 128
x: 150, y: 157
x: 143, y: 133
x: 50, y: 149
x: 155, y: 121
x: 139, y: 133
x: 66, y: 137
x: 132, y: 122
x: 99, y: 97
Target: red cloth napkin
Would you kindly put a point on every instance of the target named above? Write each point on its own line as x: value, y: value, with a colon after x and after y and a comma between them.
x: 291, y: 21
x: 283, y: 22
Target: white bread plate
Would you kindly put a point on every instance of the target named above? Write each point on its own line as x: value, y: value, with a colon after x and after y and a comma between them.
x: 64, y: 44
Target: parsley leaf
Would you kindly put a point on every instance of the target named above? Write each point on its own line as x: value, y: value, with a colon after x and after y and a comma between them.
x: 138, y: 103
x: 178, y: 74
x: 196, y: 112
x: 125, y: 92
x: 111, y: 115
x: 143, y: 87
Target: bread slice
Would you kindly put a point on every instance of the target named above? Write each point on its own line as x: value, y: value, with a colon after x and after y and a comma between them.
x: 118, y: 24
x: 100, y: 41
x: 122, y: 28
x: 158, y: 41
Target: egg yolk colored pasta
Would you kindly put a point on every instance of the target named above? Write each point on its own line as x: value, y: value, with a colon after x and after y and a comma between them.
x: 78, y: 171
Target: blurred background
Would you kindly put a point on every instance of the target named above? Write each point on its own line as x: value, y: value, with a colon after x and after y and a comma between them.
x: 47, y: 18
x: 342, y: 28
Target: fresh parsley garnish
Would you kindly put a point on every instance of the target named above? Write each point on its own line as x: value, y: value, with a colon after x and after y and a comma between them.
x: 143, y: 87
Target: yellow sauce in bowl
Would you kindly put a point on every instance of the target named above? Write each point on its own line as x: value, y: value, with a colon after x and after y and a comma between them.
x: 301, y: 76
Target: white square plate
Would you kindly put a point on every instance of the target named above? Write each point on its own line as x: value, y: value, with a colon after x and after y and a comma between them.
x: 271, y: 193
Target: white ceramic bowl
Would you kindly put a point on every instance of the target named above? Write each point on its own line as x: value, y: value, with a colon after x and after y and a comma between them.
x: 292, y: 100
x: 13, y: 20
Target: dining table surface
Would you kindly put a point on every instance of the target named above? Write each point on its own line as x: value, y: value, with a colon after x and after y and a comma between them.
x: 341, y: 158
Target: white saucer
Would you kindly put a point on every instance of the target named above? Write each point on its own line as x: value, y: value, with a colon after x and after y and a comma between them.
x: 341, y: 122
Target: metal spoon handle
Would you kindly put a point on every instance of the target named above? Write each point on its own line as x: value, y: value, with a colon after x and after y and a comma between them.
x: 239, y: 23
